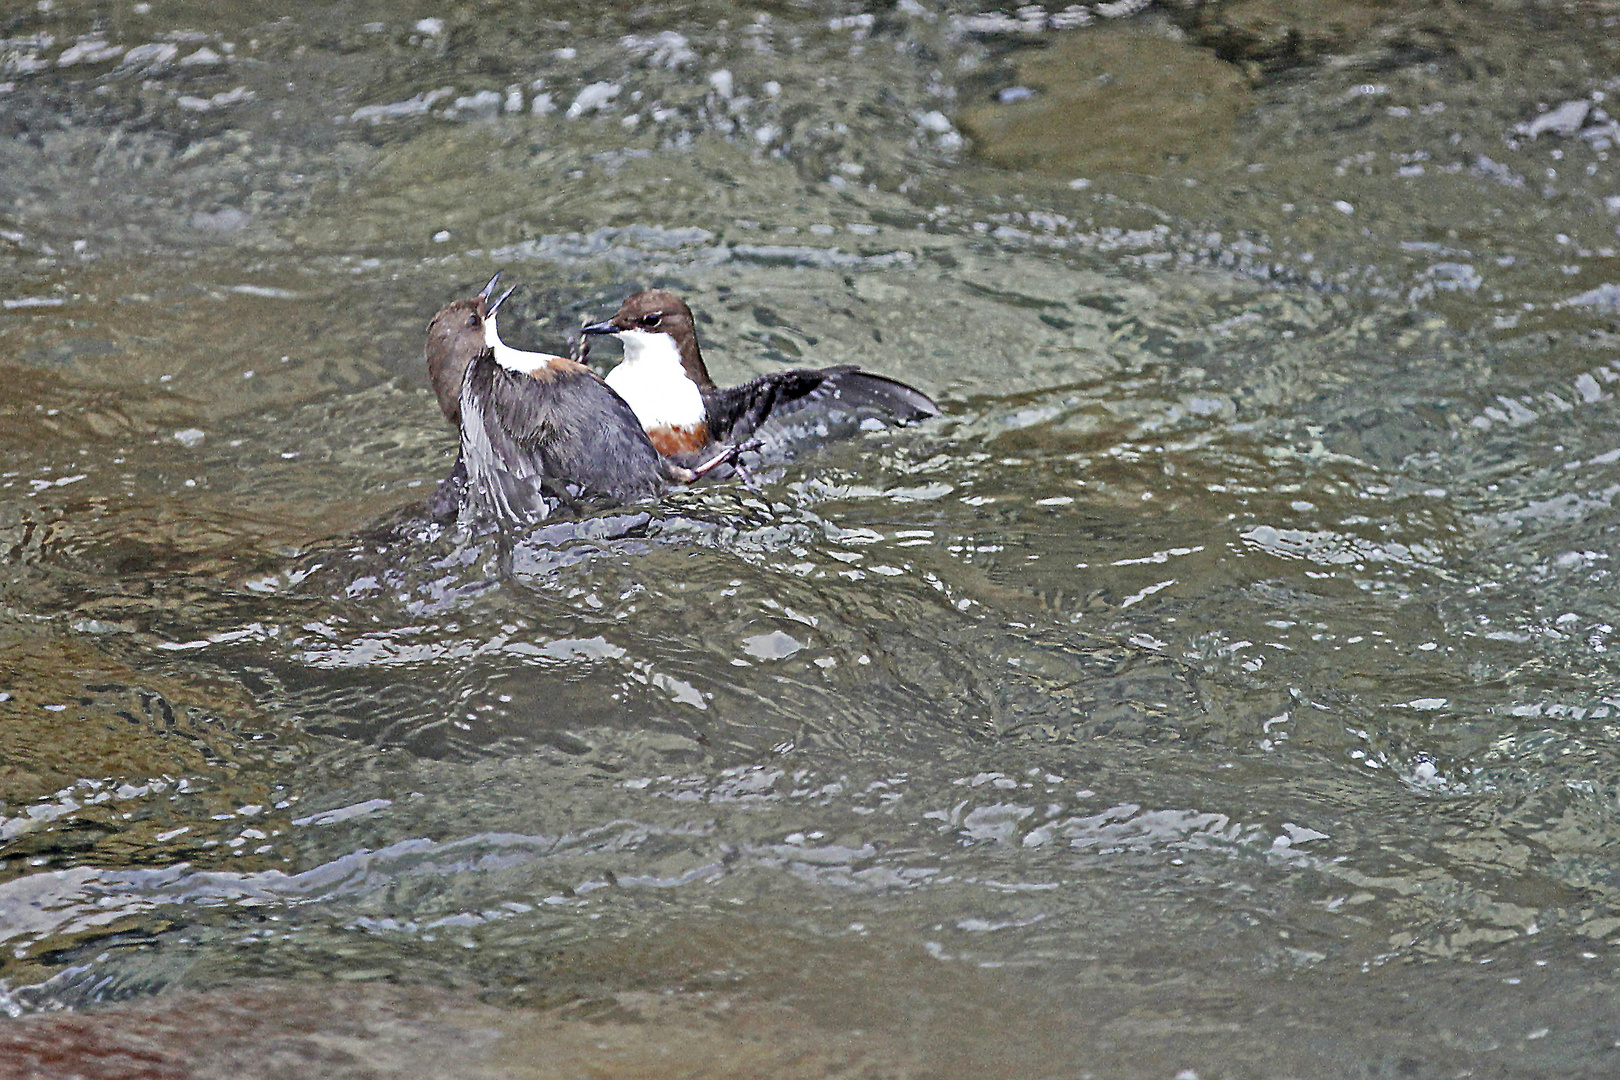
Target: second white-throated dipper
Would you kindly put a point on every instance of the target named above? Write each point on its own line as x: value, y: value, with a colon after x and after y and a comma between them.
x: 536, y: 429
x: 683, y: 411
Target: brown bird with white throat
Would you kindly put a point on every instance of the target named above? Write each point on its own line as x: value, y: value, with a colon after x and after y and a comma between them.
x: 536, y: 429
x: 684, y: 412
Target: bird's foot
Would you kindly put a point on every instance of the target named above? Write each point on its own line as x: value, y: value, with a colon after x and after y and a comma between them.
x: 729, y: 455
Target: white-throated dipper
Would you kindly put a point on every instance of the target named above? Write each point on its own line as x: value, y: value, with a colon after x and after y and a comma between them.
x: 665, y: 381
x: 536, y: 429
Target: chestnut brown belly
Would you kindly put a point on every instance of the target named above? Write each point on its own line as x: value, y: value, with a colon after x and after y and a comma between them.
x: 679, y: 440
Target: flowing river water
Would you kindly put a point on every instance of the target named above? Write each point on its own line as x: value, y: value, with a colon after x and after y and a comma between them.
x: 1220, y: 688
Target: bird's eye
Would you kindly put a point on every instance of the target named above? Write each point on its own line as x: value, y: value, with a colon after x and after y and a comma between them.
x: 651, y: 320
x: 472, y: 322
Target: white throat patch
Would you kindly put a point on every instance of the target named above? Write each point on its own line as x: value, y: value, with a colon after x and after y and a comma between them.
x: 653, y: 382
x: 524, y: 363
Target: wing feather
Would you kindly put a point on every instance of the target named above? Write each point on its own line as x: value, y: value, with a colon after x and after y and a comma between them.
x: 736, y: 412
x: 530, y: 441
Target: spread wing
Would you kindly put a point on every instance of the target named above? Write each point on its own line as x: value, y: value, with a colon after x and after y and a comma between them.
x: 530, y: 441
x: 735, y: 412
x: 505, y: 479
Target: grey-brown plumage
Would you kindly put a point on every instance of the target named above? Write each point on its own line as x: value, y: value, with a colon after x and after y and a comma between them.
x: 536, y: 430
x: 735, y: 412
x: 529, y: 441
x: 455, y: 336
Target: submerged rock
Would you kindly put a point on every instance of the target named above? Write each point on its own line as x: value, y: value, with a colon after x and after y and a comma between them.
x: 1112, y: 99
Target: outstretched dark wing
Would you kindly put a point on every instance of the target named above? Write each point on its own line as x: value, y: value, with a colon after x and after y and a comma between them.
x: 736, y: 412
x: 505, y: 479
x: 529, y: 441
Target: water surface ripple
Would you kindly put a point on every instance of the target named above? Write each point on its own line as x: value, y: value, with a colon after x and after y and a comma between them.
x: 1221, y: 687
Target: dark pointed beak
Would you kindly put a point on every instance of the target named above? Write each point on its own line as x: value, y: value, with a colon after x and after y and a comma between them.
x: 601, y: 328
x: 485, y: 293
x: 499, y: 300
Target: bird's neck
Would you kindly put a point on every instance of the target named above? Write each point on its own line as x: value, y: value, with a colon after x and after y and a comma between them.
x: 518, y: 360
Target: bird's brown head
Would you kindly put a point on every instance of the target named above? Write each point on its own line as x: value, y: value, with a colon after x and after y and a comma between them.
x: 659, y: 311
x: 455, y: 337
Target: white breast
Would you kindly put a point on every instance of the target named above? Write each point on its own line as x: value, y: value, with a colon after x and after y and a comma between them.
x: 653, y: 382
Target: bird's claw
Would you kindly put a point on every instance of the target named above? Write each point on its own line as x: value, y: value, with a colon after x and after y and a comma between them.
x: 730, y: 455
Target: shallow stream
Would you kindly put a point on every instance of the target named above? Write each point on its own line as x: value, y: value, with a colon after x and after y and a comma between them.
x: 1219, y: 689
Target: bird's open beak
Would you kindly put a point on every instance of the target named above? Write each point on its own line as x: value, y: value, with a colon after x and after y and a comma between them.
x: 485, y: 293
x: 499, y: 301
